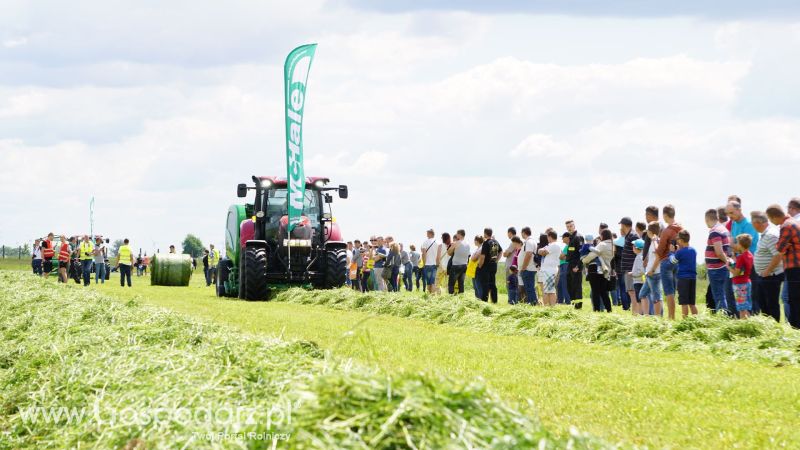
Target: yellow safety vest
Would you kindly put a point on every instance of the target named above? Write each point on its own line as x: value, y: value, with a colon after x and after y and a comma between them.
x: 125, y: 255
x: 86, y: 251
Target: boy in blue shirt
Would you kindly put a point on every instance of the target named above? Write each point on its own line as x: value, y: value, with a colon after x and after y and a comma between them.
x: 686, y: 260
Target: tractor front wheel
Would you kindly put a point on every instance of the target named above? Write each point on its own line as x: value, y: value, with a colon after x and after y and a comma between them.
x: 255, y: 274
x: 223, y: 272
x: 335, y: 268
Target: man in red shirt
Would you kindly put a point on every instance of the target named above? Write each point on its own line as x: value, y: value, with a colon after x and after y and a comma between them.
x: 666, y: 245
x: 789, y: 246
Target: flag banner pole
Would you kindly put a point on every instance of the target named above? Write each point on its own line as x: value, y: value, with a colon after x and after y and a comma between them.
x: 295, y: 73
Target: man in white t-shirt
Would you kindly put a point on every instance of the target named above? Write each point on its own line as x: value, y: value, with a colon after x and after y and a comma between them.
x: 431, y: 253
x: 527, y: 266
x: 549, y: 270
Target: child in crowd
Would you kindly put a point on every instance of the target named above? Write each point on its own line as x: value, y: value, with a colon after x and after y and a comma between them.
x: 512, y: 285
x: 742, y: 289
x: 652, y: 286
x: 686, y: 260
x: 639, y: 305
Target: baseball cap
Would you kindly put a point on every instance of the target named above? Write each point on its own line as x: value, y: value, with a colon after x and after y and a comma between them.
x: 639, y: 243
x: 589, y: 237
x: 620, y: 241
x: 626, y: 221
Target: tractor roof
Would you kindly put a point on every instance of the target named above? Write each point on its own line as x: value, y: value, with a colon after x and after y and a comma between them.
x: 281, y: 181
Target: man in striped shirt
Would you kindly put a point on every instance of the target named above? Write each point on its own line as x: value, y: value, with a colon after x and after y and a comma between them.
x: 768, y: 264
x: 718, y: 250
x: 789, y: 246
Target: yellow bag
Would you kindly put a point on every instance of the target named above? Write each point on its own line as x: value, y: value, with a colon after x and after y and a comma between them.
x: 472, y: 267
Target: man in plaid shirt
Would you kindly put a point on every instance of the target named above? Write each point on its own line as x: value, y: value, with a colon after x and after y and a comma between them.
x: 789, y: 246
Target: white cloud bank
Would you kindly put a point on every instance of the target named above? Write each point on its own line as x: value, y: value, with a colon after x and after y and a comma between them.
x: 428, y: 125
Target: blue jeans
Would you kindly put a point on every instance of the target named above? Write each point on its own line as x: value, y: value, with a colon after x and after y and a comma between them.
x: 37, y: 266
x: 562, y: 289
x: 512, y: 296
x: 207, y: 274
x: 409, y: 271
x: 624, y: 298
x: 86, y: 266
x: 430, y: 275
x: 614, y: 292
x: 652, y: 288
x: 476, y: 285
x: 785, y: 298
x: 100, y: 272
x: 718, y: 279
x: 755, y: 295
x: 668, y: 281
x: 529, y: 279
x: 393, y: 279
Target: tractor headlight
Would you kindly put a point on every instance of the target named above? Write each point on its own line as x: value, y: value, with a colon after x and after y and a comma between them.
x: 266, y: 184
x: 319, y: 183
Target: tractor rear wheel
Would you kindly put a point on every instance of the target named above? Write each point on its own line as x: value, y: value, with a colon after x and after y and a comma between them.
x: 335, y: 268
x: 255, y: 277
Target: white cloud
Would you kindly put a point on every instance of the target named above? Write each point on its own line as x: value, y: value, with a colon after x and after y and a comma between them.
x: 432, y: 119
x: 15, y: 42
x: 541, y: 145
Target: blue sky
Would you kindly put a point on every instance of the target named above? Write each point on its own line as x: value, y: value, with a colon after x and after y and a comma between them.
x: 444, y: 114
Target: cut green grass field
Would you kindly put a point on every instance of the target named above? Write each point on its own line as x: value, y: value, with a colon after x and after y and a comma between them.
x: 677, y: 398
x: 80, y: 370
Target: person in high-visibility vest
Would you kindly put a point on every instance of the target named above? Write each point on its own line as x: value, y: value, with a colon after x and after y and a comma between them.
x: 48, y: 253
x: 86, y: 255
x: 125, y: 262
x: 64, y: 253
x: 213, y: 259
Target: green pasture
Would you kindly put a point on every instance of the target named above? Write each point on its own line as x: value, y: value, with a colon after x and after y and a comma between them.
x: 634, y: 396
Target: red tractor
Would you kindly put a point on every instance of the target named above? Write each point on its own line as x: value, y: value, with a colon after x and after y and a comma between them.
x: 262, y: 254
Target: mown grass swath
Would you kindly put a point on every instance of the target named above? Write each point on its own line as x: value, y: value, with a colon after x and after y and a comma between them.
x: 757, y: 339
x: 65, y: 347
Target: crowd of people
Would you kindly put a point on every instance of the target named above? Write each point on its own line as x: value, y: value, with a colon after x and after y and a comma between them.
x: 751, y: 263
x: 81, y: 257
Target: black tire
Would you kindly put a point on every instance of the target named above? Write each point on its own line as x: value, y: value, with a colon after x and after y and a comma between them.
x: 223, y: 272
x: 335, y: 268
x: 255, y: 279
x: 241, y: 276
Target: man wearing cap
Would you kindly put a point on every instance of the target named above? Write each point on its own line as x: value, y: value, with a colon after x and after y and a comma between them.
x: 624, y: 278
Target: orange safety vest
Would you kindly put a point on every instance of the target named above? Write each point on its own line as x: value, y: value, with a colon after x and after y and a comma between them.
x: 63, y: 254
x: 47, y: 249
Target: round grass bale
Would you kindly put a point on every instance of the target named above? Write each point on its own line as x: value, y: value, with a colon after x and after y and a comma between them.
x: 170, y: 269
